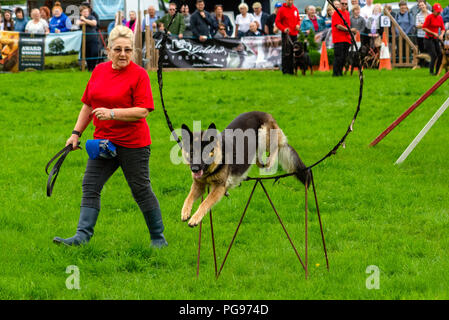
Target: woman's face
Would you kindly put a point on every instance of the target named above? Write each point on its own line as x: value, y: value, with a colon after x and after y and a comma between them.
x: 43, y: 14
x: 121, y: 53
x: 57, y: 12
x: 330, y: 11
x: 243, y: 10
x: 36, y: 15
x: 311, y: 12
x: 7, y: 16
x: 219, y: 11
x: 422, y: 6
x: 19, y: 15
x: 85, y: 13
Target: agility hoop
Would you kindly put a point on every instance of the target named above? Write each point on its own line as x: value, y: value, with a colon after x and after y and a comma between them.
x: 258, y: 180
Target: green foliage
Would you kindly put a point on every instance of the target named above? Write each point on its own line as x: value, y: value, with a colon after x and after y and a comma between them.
x: 56, y: 46
x: 374, y: 213
x: 301, y: 37
x: 312, y: 45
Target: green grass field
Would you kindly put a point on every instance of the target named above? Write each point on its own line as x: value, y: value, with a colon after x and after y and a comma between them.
x: 374, y: 213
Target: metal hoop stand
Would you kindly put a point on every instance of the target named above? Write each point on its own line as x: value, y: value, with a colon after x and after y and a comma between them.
x: 259, y: 181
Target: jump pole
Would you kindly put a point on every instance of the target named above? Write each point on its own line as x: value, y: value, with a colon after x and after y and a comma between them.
x: 410, y: 110
x: 423, y: 132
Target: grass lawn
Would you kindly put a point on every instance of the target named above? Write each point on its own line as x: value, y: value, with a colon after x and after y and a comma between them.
x: 374, y: 213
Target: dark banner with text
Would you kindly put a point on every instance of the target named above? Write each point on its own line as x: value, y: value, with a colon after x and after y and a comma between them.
x: 31, y: 51
x: 244, y: 53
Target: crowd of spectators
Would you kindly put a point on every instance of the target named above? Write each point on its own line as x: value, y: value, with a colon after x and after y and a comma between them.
x: 364, y: 18
x: 41, y: 20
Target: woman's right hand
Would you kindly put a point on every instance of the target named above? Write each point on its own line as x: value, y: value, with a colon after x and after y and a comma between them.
x: 74, y: 141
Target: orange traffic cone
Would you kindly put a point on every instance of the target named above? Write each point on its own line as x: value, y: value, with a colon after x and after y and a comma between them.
x: 324, y: 63
x: 385, y: 60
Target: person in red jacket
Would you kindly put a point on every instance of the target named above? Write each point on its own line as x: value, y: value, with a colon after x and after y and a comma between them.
x: 288, y: 21
x: 433, y: 24
x: 117, y: 99
x: 341, y: 37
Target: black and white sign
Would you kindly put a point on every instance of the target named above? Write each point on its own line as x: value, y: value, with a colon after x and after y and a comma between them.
x: 385, y: 21
x: 244, y: 53
x: 31, y: 51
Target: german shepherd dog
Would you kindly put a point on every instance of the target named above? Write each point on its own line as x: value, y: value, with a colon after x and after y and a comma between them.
x: 445, y: 53
x: 301, y: 58
x: 222, y: 160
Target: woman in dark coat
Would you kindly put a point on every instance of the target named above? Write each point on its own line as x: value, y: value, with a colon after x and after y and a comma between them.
x: 218, y: 18
x: 90, y: 21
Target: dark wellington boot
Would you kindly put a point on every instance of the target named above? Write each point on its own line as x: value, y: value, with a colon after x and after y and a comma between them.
x: 85, y: 230
x: 156, y: 228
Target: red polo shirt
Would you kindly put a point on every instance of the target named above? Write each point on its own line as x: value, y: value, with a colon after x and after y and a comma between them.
x: 288, y: 17
x: 338, y: 35
x: 433, y: 23
x: 120, y: 89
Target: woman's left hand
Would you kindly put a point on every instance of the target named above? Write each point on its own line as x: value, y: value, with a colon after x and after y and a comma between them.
x: 102, y: 113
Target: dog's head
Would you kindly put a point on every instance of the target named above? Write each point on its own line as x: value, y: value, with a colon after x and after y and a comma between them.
x: 446, y: 50
x: 298, y: 48
x: 201, y: 150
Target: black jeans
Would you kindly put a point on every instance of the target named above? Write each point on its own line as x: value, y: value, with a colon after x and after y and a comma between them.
x: 134, y: 163
x: 287, y: 53
x: 341, y: 51
x: 433, y: 49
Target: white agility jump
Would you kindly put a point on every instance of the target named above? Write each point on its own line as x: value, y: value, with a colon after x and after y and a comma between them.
x: 423, y: 132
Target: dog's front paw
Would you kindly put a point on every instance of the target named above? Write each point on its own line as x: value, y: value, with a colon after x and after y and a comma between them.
x: 185, y: 214
x: 194, y: 221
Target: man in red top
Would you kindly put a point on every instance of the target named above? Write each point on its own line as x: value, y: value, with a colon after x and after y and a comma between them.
x: 288, y: 21
x: 432, y: 24
x: 341, y: 38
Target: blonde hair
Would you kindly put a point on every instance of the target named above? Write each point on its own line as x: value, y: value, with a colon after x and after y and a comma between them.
x: 120, y: 32
x: 57, y: 6
x: 377, y: 6
x: 243, y: 5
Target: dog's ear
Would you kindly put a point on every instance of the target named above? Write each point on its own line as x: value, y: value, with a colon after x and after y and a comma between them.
x: 187, y: 135
x: 211, y: 134
x: 186, y: 128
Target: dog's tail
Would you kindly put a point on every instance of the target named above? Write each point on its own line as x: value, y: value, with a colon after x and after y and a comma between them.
x: 292, y: 163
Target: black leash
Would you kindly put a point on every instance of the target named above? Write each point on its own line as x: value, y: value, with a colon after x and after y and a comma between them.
x: 62, y: 154
x: 160, y: 81
x: 354, y: 118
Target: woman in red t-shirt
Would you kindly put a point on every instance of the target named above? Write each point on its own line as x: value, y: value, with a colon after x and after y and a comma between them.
x: 433, y: 23
x: 118, y: 98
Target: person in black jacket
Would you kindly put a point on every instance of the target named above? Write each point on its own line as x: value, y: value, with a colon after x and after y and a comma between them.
x: 261, y: 17
x: 201, y: 22
x: 218, y: 18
